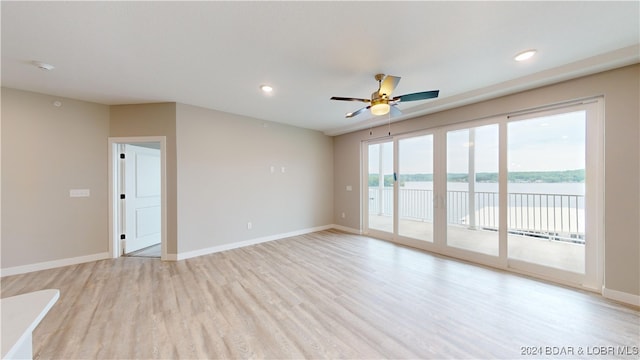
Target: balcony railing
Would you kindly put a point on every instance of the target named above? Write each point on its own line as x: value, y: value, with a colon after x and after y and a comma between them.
x: 550, y: 216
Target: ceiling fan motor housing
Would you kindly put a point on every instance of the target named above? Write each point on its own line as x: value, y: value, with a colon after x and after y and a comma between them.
x: 377, y: 98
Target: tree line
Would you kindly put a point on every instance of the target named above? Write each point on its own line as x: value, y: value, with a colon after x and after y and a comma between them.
x: 567, y: 176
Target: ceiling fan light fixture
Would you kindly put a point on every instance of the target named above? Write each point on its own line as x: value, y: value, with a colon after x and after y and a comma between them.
x: 380, y: 108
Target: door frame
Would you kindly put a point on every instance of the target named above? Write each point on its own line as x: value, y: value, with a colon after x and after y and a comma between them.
x: 114, y: 185
x: 593, y: 277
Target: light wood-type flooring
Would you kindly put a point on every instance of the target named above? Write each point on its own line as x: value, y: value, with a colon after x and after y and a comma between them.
x: 321, y: 295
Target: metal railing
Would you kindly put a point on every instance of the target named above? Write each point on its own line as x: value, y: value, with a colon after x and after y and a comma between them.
x: 551, y: 216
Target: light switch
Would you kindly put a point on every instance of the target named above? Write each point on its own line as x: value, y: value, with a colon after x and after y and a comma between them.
x: 349, y: 188
x: 79, y: 193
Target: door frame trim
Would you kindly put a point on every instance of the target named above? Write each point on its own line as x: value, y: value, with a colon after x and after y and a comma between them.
x: 114, y: 174
x: 593, y: 277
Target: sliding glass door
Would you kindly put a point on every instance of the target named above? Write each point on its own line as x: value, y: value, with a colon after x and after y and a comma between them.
x: 517, y: 192
x: 415, y: 187
x: 472, y: 196
x: 547, y: 158
x: 380, y: 186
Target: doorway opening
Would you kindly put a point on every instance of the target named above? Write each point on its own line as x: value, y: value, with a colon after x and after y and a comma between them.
x: 137, y: 197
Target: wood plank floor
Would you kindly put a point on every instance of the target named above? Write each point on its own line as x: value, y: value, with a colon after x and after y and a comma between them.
x: 321, y: 295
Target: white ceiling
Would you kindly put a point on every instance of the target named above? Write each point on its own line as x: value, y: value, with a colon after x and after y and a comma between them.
x: 216, y: 54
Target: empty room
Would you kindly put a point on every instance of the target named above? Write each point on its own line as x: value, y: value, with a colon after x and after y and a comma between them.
x: 306, y: 180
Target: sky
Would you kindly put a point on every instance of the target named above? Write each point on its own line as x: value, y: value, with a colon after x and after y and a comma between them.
x: 549, y: 143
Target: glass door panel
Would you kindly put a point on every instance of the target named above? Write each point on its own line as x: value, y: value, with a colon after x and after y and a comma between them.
x: 380, y: 188
x: 546, y: 190
x: 510, y: 191
x: 415, y: 191
x: 472, y: 196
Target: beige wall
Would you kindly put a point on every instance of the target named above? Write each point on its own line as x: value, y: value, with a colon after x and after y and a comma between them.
x: 224, y: 178
x: 46, y: 151
x: 157, y: 119
x: 621, y: 90
x: 219, y: 175
x: 224, y: 174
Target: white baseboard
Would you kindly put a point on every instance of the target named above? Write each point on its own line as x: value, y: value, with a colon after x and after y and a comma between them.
x: 239, y: 244
x: 16, y: 270
x: 169, y: 257
x: 347, y: 229
x: 621, y: 296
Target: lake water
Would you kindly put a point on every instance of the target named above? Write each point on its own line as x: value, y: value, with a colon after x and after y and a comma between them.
x: 532, y: 188
x: 526, y: 210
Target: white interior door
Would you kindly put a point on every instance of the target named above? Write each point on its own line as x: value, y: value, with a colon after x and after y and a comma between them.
x: 142, y: 210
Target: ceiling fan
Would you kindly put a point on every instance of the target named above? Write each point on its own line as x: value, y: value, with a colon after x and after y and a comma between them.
x: 381, y: 101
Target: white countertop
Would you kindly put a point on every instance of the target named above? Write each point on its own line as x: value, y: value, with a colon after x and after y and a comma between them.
x: 20, y: 315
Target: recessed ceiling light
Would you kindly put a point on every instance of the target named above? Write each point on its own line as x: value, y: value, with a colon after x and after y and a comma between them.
x: 266, y: 88
x: 43, y: 66
x: 525, y: 55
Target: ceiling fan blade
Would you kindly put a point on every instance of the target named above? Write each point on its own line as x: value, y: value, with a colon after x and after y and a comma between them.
x: 352, y: 114
x: 395, y: 111
x: 349, y: 99
x: 418, y: 96
x: 388, y: 85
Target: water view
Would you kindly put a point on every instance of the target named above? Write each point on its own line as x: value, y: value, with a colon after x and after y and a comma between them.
x: 551, y: 210
x: 574, y: 188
